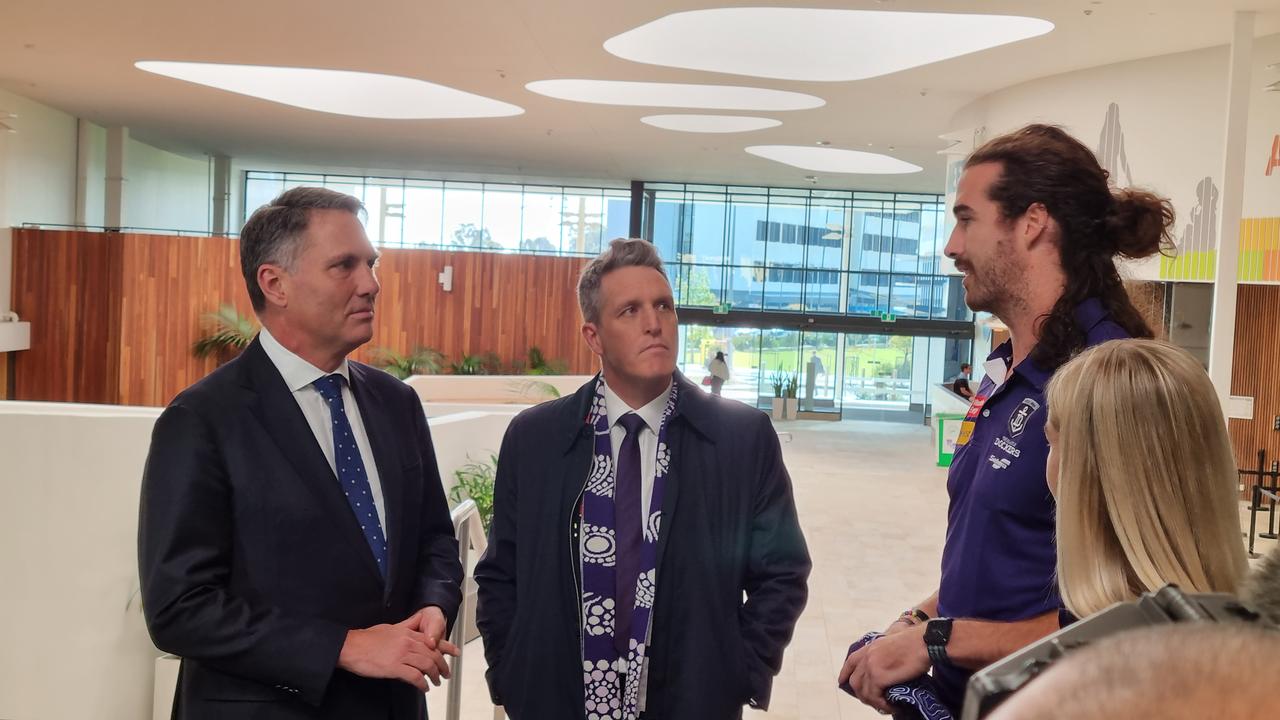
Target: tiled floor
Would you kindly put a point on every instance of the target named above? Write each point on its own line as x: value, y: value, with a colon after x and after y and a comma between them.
x: 873, y: 506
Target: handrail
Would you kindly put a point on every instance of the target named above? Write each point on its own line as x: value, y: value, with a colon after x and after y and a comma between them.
x: 469, y: 531
x: 124, y: 228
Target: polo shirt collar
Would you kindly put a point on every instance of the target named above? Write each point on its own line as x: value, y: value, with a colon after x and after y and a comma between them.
x: 297, y: 373
x: 1089, y: 314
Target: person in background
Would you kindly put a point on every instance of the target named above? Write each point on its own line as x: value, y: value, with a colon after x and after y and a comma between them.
x: 960, y: 383
x: 1038, y: 228
x: 1144, y: 475
x: 719, y: 370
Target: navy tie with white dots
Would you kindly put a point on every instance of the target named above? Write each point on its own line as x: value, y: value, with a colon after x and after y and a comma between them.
x: 351, y: 473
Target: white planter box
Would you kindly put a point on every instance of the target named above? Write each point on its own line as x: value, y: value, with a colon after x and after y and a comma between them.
x: 779, y: 409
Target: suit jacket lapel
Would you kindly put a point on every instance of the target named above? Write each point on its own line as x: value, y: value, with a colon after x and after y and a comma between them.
x: 670, y: 491
x: 284, y: 422
x: 382, y: 438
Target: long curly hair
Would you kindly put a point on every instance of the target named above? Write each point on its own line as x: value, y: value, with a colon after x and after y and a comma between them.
x: 1043, y: 164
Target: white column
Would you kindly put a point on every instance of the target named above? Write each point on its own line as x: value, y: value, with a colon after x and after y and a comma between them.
x: 117, y: 145
x: 221, y: 194
x: 6, y: 238
x: 84, y: 169
x: 1223, y: 325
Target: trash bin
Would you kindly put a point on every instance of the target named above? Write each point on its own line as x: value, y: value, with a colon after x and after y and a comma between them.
x: 947, y: 427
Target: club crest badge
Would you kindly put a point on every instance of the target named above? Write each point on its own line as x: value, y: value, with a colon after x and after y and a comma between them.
x: 1018, y: 420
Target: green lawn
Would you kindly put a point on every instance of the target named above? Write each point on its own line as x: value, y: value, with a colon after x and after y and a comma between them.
x: 856, y: 358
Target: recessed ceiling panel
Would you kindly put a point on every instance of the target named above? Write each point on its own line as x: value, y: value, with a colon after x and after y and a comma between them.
x: 342, y: 92
x: 653, y: 94
x: 710, y: 123
x: 834, y: 160
x: 811, y: 44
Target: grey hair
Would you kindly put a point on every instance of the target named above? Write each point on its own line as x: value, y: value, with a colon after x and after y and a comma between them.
x: 621, y: 253
x: 273, y: 234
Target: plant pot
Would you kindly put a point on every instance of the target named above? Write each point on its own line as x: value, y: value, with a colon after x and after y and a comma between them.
x: 779, y: 408
x: 793, y: 408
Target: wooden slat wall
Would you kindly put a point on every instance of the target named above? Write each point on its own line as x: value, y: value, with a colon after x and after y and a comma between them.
x: 1255, y: 372
x: 114, y: 315
x: 65, y: 283
x: 499, y: 303
x: 5, y: 367
x: 1149, y: 299
x: 169, y: 283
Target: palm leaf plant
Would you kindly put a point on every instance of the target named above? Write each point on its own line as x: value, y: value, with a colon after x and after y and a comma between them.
x: 229, y: 332
x: 419, y: 361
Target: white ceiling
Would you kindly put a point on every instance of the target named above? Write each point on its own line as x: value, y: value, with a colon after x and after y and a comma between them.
x: 78, y: 56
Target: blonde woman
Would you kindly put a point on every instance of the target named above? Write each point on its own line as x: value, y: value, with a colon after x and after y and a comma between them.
x: 1145, y: 479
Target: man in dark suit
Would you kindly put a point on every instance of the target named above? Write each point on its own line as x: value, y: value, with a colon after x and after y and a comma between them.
x: 630, y: 520
x: 294, y: 543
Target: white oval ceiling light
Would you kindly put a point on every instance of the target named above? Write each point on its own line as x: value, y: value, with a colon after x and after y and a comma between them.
x: 653, y: 94
x: 710, y: 123
x: 833, y: 160
x: 342, y: 92
x: 819, y: 45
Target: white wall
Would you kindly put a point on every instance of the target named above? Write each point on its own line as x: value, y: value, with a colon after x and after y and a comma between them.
x: 37, y: 174
x: 74, y: 642
x: 1171, y: 110
x: 165, y: 190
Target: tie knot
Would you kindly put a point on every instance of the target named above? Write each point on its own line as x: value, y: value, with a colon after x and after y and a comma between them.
x: 632, y: 423
x: 329, y: 387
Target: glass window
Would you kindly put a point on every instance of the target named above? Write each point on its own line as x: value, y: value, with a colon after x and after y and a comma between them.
x: 748, y: 218
x: 260, y: 189
x: 506, y: 217
x: 464, y: 217
x: 868, y: 293
x: 703, y: 285
x: 668, y: 218
x: 706, y: 222
x: 744, y: 287
x: 502, y: 215
x: 540, y: 220
x: 617, y: 214
x: 423, y: 213
x: 582, y: 217
x: 384, y: 204
x: 826, y: 233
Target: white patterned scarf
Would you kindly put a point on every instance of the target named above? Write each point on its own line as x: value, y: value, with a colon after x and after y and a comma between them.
x: 604, y: 671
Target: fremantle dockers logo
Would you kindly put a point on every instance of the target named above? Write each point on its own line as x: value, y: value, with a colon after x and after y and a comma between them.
x: 1018, y: 421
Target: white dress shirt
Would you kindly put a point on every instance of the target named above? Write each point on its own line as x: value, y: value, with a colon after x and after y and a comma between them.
x: 616, y: 407
x: 298, y: 374
x: 651, y: 413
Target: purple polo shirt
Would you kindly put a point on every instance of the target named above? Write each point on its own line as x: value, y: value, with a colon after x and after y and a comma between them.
x: 999, y: 559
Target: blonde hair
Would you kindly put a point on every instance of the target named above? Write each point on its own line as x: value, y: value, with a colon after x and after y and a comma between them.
x: 1146, y: 477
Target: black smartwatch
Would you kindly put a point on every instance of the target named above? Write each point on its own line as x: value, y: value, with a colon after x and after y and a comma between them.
x: 937, y: 633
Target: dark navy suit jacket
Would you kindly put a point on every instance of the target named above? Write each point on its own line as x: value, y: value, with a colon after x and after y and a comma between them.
x: 252, y: 565
x: 729, y: 528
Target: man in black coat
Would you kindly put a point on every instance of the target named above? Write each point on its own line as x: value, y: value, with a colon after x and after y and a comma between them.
x: 294, y: 543
x: 721, y: 523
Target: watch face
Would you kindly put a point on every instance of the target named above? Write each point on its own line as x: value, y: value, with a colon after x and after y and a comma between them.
x: 937, y: 632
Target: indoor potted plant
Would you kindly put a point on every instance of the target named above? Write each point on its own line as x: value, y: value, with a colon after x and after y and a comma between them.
x: 792, y: 390
x: 778, y: 380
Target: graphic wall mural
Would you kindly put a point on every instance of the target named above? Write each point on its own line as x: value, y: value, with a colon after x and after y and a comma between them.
x: 1111, y: 154
x: 1198, y: 242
